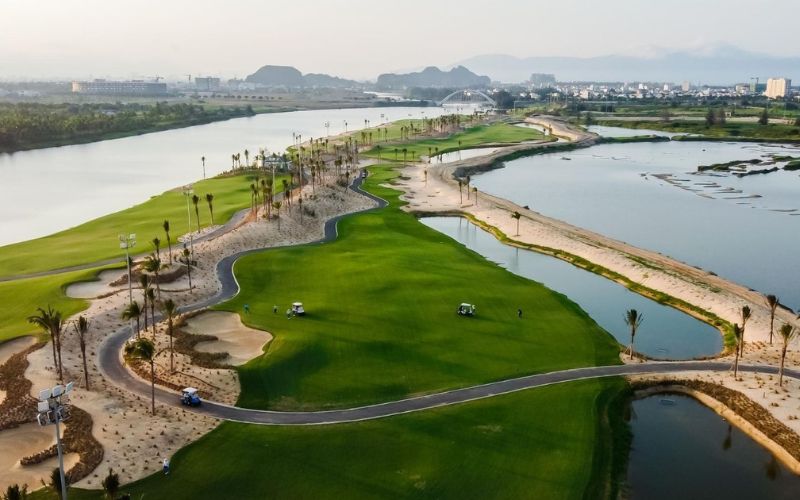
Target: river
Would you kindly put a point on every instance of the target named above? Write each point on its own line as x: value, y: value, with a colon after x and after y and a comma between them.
x: 48, y: 190
x: 649, y: 195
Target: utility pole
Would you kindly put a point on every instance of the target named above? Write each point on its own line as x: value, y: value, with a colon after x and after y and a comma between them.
x: 52, y: 410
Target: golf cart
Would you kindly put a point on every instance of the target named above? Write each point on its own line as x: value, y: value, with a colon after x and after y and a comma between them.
x: 466, y: 309
x: 297, y: 309
x: 189, y: 397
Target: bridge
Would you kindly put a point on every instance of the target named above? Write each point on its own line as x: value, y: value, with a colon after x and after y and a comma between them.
x: 468, y: 96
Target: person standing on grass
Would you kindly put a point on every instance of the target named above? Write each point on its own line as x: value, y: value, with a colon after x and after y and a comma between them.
x: 275, y: 309
x: 519, y: 313
x: 288, y: 314
x: 247, y: 309
x: 166, y: 466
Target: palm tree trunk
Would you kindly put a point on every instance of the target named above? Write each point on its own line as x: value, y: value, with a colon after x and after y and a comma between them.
x: 153, y: 317
x: 171, y: 350
x: 55, y: 354
x: 736, y: 365
x: 780, y: 373
x: 60, y: 364
x: 137, y: 327
x: 85, y: 368
x: 169, y: 249
x: 145, y: 311
x: 153, y: 386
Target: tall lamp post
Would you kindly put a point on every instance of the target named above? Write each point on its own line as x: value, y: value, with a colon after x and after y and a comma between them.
x: 126, y: 242
x: 188, y: 192
x: 52, y: 410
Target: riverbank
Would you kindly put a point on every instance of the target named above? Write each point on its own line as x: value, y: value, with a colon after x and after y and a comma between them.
x: 693, y: 290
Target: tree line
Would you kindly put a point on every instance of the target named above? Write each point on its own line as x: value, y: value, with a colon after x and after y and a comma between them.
x: 31, y: 125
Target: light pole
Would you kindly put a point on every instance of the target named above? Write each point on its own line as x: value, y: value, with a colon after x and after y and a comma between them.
x: 52, y: 410
x: 327, y: 129
x: 188, y: 192
x: 126, y: 242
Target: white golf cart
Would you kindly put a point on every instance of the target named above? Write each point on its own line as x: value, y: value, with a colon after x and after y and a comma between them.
x: 190, y: 397
x: 297, y: 309
x: 466, y: 309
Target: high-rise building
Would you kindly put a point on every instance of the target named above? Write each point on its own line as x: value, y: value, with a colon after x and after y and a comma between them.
x: 106, y: 87
x: 207, y: 83
x: 778, y: 87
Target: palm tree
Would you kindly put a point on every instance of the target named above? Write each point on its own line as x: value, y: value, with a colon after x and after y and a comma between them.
x: 772, y: 303
x: 738, y: 335
x: 152, y: 264
x: 516, y: 215
x: 203, y: 159
x: 169, y: 240
x: 277, y: 206
x: 210, y: 201
x: 50, y: 321
x: 169, y: 309
x: 460, y: 192
x: 133, y: 311
x: 196, y: 200
x: 469, y: 178
x: 246, y: 158
x: 111, y: 484
x: 187, y: 257
x: 151, y: 297
x: 145, y: 350
x: 746, y: 313
x: 81, y: 327
x: 633, y: 319
x: 157, y: 244
x: 144, y: 281
x: 475, y: 190
x: 788, y: 333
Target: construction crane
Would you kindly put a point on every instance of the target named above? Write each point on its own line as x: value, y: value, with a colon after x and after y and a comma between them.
x: 754, y: 88
x: 189, y: 77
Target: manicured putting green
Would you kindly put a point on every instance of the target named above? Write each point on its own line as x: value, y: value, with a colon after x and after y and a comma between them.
x: 381, y: 319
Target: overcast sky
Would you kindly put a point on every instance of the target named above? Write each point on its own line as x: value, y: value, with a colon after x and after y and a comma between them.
x: 360, y: 38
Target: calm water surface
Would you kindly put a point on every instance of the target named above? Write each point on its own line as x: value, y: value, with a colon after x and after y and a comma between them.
x: 665, y: 333
x: 462, y: 154
x: 684, y: 450
x: 603, y: 131
x: 649, y: 194
x: 85, y: 181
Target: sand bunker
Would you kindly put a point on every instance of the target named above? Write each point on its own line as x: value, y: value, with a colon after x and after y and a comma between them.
x: 240, y: 342
x: 11, y: 347
x: 23, y: 441
x: 92, y: 289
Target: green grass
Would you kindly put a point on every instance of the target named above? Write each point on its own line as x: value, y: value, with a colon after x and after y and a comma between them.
x: 381, y: 320
x: 550, y: 442
x: 495, y: 133
x: 96, y: 240
x: 21, y: 298
x: 731, y: 130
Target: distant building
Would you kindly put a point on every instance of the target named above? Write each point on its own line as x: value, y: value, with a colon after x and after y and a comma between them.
x: 778, y: 88
x: 686, y: 86
x: 207, y: 83
x: 542, y: 80
x: 132, y: 88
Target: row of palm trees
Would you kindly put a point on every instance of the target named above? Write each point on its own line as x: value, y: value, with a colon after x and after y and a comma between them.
x: 52, y: 322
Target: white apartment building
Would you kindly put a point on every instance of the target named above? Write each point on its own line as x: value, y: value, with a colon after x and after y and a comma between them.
x: 778, y: 88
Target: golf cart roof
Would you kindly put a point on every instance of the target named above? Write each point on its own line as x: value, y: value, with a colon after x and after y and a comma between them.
x: 190, y: 390
x: 464, y: 304
x: 297, y: 304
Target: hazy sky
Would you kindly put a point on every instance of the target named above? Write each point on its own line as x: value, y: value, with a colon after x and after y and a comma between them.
x: 360, y: 38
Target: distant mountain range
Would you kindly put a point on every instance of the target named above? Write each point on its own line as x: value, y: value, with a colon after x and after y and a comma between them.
x: 718, y: 66
x: 288, y: 76
x: 432, y: 76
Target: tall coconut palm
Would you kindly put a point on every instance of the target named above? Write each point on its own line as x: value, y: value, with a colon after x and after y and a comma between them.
x: 144, y: 281
x: 634, y: 320
x: 788, y: 333
x: 210, y: 201
x: 152, y: 264
x: 169, y: 240
x: 169, y: 309
x: 187, y: 258
x: 195, y: 201
x: 772, y: 303
x: 475, y: 191
x: 203, y: 159
x: 145, y: 350
x: 277, y: 206
x: 737, y: 344
x: 460, y: 192
x: 157, y: 245
x: 746, y: 313
x: 51, y: 321
x: 517, y: 216
x: 133, y: 311
x: 151, y: 298
x: 81, y: 328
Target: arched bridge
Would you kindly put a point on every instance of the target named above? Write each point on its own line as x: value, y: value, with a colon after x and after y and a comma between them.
x: 468, y: 96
